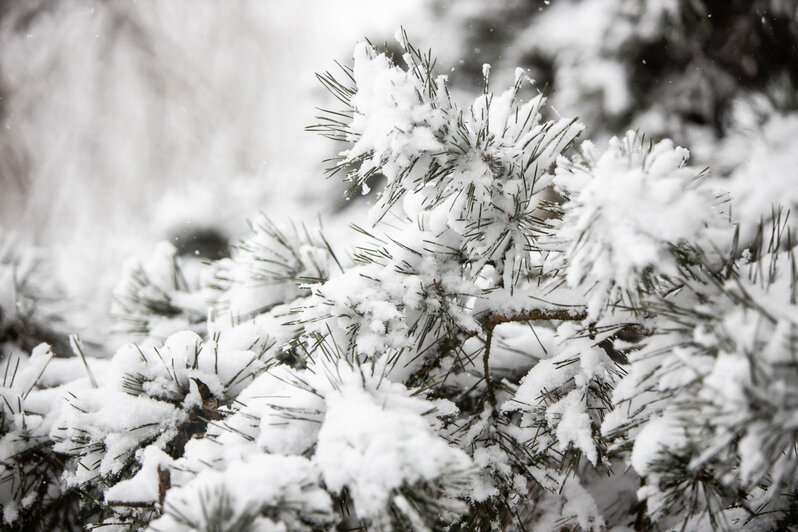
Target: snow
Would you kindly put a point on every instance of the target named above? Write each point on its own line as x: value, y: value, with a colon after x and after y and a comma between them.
x: 102, y: 429
x: 580, y: 503
x: 166, y: 371
x: 377, y: 299
x: 752, y: 461
x: 391, y: 125
x: 144, y: 487
x: 280, y: 394
x: 362, y: 433
x: 283, y: 492
x: 626, y: 207
x: 573, y: 424
x: 10, y: 512
x: 28, y: 376
x: 375, y: 443
x: 658, y: 434
x: 554, y: 372
x: 315, y: 394
x: 765, y: 179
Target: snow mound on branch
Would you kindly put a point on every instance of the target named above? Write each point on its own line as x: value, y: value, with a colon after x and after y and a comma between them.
x: 145, y: 486
x: 148, y: 396
x: 657, y: 437
x: 573, y: 424
x: 168, y: 372
x: 365, y: 435
x: 269, y: 493
x: 627, y: 207
x: 104, y: 427
x: 374, y: 442
x: 556, y: 390
x: 373, y: 302
x: 392, y: 125
x: 767, y: 179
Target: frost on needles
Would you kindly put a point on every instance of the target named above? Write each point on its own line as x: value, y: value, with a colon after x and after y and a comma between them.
x: 529, y: 333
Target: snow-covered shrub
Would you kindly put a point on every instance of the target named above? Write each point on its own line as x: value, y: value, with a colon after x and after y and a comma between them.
x: 521, y: 336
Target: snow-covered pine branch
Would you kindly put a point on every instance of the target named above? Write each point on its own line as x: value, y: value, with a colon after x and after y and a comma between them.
x: 521, y: 335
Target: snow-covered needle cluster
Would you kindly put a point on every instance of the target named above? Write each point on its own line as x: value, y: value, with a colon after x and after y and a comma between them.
x: 528, y: 333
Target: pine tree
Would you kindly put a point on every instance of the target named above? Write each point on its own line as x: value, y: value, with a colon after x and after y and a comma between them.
x: 529, y: 332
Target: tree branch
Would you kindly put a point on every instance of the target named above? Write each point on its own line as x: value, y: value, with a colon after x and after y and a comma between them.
x: 486, y: 369
x: 568, y: 314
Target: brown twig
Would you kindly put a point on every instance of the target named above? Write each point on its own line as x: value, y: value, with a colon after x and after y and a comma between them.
x: 538, y: 314
x: 486, y: 370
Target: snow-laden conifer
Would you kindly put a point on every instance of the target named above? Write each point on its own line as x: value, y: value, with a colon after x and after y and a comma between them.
x: 522, y: 335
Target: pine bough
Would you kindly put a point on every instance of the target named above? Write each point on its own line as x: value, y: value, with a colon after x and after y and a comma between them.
x: 531, y: 333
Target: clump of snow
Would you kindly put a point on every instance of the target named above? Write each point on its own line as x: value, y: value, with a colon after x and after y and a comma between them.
x: 392, y: 124
x: 362, y: 432
x: 766, y: 179
x: 145, y: 487
x: 103, y: 428
x: 573, y: 424
x: 267, y: 492
x: 27, y: 377
x: 581, y: 504
x: 374, y: 442
x: 372, y: 301
x: 146, y: 397
x: 556, y: 370
x: 626, y: 208
x: 658, y: 435
x: 167, y: 371
x: 556, y: 391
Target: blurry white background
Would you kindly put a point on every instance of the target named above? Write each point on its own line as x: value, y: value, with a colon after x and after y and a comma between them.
x: 123, y: 123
